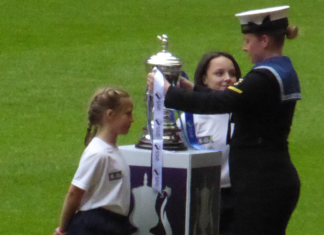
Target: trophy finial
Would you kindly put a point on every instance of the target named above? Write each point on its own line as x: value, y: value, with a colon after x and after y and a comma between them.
x: 164, y: 39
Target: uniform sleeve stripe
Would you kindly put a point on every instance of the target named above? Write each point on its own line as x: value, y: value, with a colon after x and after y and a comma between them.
x: 235, y: 89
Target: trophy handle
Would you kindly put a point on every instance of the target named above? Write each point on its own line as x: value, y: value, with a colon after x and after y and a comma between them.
x: 150, y: 106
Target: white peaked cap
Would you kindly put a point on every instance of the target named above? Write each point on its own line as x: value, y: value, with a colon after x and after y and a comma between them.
x: 274, y: 16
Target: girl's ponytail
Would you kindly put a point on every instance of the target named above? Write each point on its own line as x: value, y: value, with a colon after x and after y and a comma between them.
x: 104, y: 99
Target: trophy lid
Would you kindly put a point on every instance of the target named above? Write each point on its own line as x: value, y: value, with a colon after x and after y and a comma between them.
x: 164, y: 58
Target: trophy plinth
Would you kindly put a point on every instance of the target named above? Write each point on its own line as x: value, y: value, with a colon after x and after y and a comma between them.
x: 170, y: 66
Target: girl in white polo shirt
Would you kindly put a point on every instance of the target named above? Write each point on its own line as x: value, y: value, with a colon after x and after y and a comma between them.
x: 99, y: 196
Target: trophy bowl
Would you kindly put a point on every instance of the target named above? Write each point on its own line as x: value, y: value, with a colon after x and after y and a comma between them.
x: 171, y: 68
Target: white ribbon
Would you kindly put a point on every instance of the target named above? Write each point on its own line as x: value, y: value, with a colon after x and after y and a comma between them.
x: 157, y: 141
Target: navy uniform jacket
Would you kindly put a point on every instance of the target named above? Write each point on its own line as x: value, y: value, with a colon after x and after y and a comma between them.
x: 263, y: 105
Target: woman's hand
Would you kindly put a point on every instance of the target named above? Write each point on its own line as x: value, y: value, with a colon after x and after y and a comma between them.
x: 186, y: 84
x: 150, y: 83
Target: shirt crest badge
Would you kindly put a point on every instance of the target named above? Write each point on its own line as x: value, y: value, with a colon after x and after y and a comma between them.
x: 115, y: 175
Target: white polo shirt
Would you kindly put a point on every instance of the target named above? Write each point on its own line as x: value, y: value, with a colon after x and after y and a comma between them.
x: 105, y: 176
x: 211, y: 132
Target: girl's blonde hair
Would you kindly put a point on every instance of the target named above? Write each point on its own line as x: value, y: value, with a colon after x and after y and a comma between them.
x: 103, y: 99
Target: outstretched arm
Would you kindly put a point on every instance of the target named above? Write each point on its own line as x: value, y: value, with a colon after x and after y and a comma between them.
x: 257, y: 88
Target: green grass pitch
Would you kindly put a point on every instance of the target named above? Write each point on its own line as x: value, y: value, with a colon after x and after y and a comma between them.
x: 54, y: 54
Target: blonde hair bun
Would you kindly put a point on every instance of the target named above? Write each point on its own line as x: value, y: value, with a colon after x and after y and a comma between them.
x: 292, y: 32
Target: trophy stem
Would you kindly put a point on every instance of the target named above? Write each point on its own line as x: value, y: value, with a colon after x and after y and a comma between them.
x: 171, y: 135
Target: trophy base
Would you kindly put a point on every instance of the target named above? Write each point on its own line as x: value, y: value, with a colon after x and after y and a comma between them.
x: 166, y: 146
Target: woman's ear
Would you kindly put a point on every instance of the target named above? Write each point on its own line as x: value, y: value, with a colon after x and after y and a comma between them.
x: 265, y: 40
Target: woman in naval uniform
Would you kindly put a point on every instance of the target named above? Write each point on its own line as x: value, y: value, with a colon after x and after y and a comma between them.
x: 264, y: 181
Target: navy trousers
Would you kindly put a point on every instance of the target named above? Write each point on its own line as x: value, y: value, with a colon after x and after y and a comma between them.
x: 264, y: 212
x: 226, y: 212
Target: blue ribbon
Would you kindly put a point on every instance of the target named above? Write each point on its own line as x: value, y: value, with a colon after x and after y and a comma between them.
x: 190, y: 126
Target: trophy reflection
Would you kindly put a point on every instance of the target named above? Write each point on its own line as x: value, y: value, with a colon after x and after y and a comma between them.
x: 170, y: 66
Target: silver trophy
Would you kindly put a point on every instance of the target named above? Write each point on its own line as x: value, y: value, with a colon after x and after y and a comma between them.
x: 170, y: 66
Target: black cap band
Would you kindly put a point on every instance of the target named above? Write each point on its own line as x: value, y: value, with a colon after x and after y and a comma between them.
x: 266, y: 26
